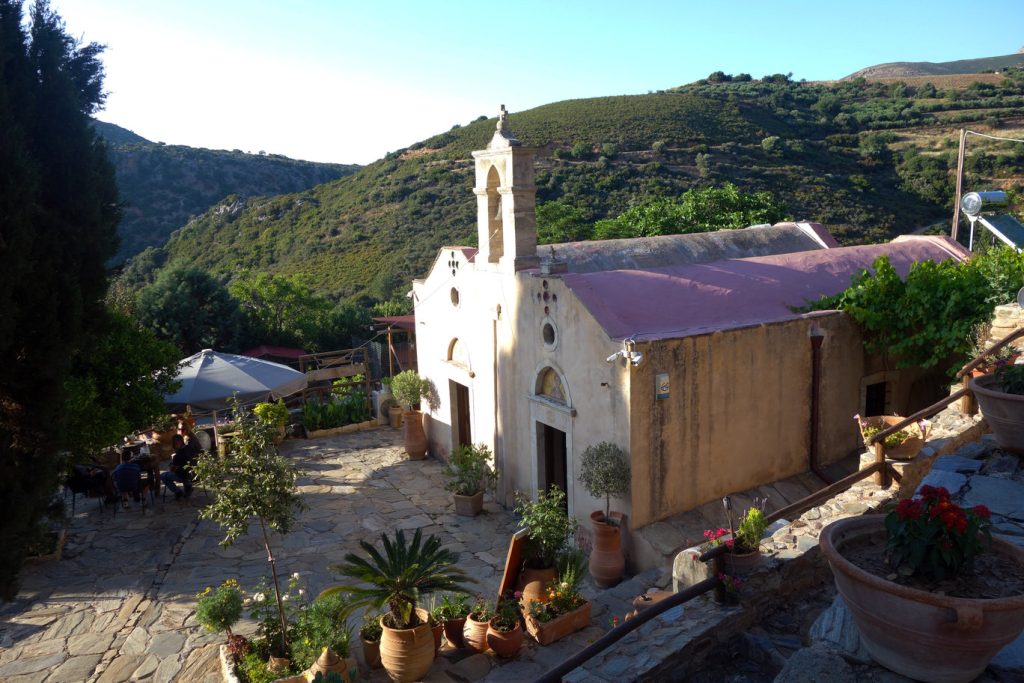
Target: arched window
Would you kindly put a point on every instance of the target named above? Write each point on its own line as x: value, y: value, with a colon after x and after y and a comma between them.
x: 495, y: 227
x: 549, y: 385
x: 457, y: 353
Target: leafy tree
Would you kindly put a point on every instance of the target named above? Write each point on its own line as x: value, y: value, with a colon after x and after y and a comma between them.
x: 558, y: 222
x: 190, y: 308
x: 59, y: 210
x: 252, y: 480
x: 280, y: 310
x: 117, y: 384
x: 695, y: 211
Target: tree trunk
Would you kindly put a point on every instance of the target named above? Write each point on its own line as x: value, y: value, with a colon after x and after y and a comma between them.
x: 277, y: 591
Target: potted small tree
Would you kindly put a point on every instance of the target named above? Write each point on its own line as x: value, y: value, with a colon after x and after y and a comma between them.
x: 951, y: 596
x: 548, y: 531
x: 471, y: 473
x: 604, y: 473
x: 252, y: 480
x: 218, y: 610
x: 1001, y: 400
x: 397, y: 578
x: 274, y: 415
x: 410, y: 390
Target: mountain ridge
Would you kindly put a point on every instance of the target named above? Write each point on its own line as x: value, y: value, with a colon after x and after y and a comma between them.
x: 953, y: 68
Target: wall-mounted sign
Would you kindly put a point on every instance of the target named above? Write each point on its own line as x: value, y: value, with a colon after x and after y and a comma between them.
x: 661, y: 385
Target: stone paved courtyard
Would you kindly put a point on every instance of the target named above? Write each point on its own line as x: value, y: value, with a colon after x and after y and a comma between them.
x: 120, y: 605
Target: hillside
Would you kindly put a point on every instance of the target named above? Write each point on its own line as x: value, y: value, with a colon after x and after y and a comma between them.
x: 961, y: 66
x: 868, y: 159
x: 162, y: 186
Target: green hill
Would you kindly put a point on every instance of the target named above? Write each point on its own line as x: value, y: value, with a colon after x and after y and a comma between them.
x: 162, y: 186
x: 961, y: 66
x: 870, y: 160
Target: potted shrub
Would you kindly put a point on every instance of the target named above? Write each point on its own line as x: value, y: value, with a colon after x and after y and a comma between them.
x: 454, y: 610
x: 933, y: 596
x: 566, y: 611
x: 1001, y: 400
x: 274, y: 415
x: 370, y: 633
x: 901, y: 445
x: 398, y: 578
x: 604, y: 473
x: 471, y: 472
x: 319, y: 625
x: 252, y: 480
x: 218, y: 610
x: 504, y: 634
x: 474, y: 633
x: 410, y: 390
x: 744, y: 544
x: 548, y: 531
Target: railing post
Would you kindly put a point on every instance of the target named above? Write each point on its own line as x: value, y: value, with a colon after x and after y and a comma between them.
x: 882, y: 475
x: 968, y: 404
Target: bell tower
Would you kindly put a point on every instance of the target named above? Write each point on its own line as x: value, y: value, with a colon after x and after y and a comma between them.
x: 506, y: 198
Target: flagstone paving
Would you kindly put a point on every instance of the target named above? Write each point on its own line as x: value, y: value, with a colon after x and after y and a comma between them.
x: 121, y: 603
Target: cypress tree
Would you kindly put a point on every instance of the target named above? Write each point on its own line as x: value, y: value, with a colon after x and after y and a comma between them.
x: 59, y: 210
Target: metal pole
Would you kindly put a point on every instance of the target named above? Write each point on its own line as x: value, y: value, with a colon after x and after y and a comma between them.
x: 959, y: 182
x: 391, y: 354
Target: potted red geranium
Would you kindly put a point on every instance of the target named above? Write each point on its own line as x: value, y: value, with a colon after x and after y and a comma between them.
x: 934, y: 597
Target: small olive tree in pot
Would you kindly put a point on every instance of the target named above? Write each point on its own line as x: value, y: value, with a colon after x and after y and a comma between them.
x: 410, y: 390
x: 604, y: 473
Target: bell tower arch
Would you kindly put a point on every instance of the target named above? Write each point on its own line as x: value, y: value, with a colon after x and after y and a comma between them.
x: 506, y: 202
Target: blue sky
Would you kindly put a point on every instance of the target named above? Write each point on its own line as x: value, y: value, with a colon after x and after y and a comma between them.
x: 350, y: 81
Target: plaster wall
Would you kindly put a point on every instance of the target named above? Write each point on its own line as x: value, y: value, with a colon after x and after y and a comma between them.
x: 738, y: 411
x: 499, y: 321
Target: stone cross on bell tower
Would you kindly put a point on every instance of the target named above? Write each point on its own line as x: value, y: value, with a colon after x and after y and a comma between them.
x: 506, y: 202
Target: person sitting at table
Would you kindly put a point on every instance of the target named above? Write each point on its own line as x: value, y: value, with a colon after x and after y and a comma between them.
x: 180, y: 468
x: 128, y: 476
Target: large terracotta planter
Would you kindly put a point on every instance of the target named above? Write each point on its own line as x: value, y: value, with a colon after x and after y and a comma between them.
x: 415, y: 437
x: 922, y: 635
x: 371, y: 653
x: 395, y: 416
x: 533, y: 583
x: 548, y: 632
x: 474, y: 634
x: 469, y: 506
x: 407, y: 654
x: 505, y: 643
x: 606, y: 560
x: 453, y: 632
x: 438, y: 631
x: 1003, y: 412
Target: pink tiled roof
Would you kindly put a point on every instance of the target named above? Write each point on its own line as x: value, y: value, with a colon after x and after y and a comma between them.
x: 684, y: 300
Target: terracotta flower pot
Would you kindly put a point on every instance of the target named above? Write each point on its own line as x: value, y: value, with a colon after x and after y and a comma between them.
x: 925, y: 636
x: 474, y: 634
x: 371, y: 653
x: 606, y: 560
x: 407, y: 653
x: 453, y: 632
x: 505, y: 643
x: 741, y: 564
x: 906, y: 450
x: 1003, y: 412
x: 415, y: 437
x: 547, y: 632
x: 469, y: 506
x: 395, y: 416
x: 533, y: 583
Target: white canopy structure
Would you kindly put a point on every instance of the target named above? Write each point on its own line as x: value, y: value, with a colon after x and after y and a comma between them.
x: 209, y: 380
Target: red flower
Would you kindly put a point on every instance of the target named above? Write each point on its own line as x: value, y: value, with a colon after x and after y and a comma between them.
x: 982, y: 511
x: 908, y: 509
x: 934, y: 492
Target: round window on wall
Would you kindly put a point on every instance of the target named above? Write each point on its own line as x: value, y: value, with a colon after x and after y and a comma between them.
x: 549, y: 334
x: 455, y: 297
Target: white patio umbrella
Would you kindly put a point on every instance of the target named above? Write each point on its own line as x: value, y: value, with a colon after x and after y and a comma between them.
x: 210, y: 379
